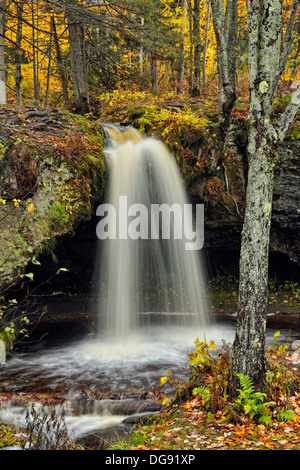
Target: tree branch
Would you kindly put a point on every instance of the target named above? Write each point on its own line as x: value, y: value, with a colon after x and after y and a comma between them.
x: 288, y: 117
x: 253, y: 21
x: 288, y: 43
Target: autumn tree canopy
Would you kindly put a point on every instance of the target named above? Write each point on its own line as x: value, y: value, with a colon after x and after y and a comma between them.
x: 61, y: 51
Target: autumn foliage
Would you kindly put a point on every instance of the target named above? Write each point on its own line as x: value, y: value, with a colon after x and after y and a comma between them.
x: 158, y: 46
x: 200, y: 415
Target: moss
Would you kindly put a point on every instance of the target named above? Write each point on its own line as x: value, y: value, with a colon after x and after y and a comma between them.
x: 71, y: 178
x: 9, y: 437
x: 58, y: 216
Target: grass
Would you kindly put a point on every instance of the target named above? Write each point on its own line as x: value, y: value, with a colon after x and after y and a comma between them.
x: 224, y: 292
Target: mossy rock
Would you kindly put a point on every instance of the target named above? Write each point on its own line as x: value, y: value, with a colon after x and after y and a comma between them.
x: 70, y: 170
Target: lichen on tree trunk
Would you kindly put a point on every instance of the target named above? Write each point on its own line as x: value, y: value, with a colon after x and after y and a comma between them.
x: 267, y: 55
x: 249, y: 346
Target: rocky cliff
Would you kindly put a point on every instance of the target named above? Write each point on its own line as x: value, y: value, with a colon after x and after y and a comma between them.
x: 51, y: 174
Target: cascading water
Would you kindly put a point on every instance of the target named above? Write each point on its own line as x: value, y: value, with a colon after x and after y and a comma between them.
x: 143, y: 282
x: 143, y: 278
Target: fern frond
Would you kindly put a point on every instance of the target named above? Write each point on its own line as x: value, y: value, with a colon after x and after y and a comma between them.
x: 246, y: 383
x: 203, y: 393
x: 286, y: 415
x: 265, y: 419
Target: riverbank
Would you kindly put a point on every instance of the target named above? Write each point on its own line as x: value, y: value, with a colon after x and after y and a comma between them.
x: 211, y: 421
x: 187, y: 422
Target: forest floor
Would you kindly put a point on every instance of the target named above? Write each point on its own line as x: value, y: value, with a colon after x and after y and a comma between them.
x: 189, y: 427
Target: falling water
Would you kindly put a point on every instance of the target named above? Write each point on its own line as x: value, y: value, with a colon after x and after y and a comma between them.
x: 145, y: 281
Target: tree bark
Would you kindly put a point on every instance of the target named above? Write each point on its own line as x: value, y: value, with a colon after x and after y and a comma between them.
x: 180, y: 75
x: 265, y: 25
x: 35, y: 63
x: 248, y: 354
x: 197, y: 49
x: 225, y: 27
x: 154, y: 74
x: 3, y: 93
x: 63, y: 79
x: 205, y: 43
x: 78, y: 57
x: 49, y: 63
x: 18, y: 71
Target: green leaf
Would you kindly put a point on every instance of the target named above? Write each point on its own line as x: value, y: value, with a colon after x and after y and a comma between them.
x: 30, y: 275
x: 62, y: 270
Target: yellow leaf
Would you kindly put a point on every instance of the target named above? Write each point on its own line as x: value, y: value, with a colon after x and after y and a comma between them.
x: 163, y: 380
x: 3, y: 201
x: 212, y: 346
x: 17, y: 202
x: 165, y: 401
x: 31, y: 208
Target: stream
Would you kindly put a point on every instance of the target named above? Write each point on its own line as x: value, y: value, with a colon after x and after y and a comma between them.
x: 105, y: 386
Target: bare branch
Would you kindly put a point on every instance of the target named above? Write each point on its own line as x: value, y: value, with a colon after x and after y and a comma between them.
x: 288, y: 117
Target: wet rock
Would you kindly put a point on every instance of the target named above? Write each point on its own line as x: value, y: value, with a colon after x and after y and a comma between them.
x: 2, y: 352
x: 295, y: 344
x: 295, y: 358
x: 142, y: 418
x: 285, y: 214
x: 47, y: 187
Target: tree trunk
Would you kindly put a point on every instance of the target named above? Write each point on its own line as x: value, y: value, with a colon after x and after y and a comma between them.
x: 249, y: 346
x: 3, y: 94
x: 180, y: 75
x: 206, y: 43
x: 18, y: 71
x: 78, y: 59
x: 63, y: 79
x: 197, y: 49
x: 49, y: 63
x: 266, y: 65
x: 225, y: 27
x: 154, y: 74
x: 34, y: 56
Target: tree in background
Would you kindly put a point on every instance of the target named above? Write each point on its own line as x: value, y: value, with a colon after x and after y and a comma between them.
x: 225, y: 21
x: 3, y: 94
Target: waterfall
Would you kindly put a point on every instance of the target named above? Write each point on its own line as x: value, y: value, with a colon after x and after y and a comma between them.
x: 144, y: 279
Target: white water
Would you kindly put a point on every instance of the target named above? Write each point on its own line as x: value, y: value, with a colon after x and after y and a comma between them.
x: 153, y: 304
x: 157, y: 277
x: 152, y: 307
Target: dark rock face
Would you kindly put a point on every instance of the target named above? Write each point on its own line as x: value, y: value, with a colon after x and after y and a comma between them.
x: 286, y: 203
x: 223, y: 234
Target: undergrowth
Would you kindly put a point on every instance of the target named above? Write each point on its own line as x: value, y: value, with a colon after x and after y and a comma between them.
x: 196, y: 412
x: 224, y: 291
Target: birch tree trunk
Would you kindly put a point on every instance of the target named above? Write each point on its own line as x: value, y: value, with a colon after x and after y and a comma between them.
x: 3, y: 93
x: 265, y: 67
x: 225, y: 27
